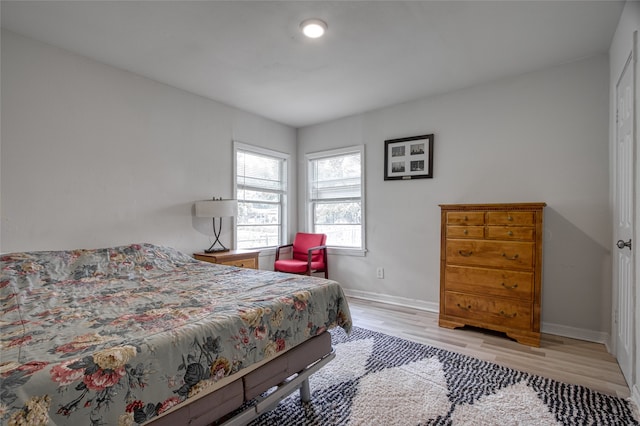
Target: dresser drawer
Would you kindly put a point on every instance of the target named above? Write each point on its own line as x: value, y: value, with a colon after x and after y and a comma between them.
x: 454, y: 231
x: 465, y: 218
x: 488, y: 310
x: 510, y: 233
x: 489, y: 282
x: 508, y: 218
x: 241, y: 263
x: 498, y: 254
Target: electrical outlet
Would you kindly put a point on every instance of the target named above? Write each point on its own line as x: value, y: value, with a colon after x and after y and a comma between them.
x: 380, y: 272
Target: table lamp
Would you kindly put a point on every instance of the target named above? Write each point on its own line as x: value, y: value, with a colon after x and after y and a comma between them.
x: 216, y: 208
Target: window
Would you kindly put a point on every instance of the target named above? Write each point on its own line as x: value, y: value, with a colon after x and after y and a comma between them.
x: 335, y: 196
x: 261, y: 191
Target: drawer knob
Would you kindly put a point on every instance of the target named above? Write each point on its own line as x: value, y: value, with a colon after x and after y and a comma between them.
x: 506, y: 315
x: 510, y: 233
x: 464, y: 308
x: 465, y: 232
x: 465, y: 218
x: 509, y: 287
x: 509, y: 218
x: 514, y: 257
x: 465, y: 253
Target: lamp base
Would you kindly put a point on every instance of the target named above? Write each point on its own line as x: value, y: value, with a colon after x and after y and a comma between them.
x: 216, y: 233
x: 216, y: 250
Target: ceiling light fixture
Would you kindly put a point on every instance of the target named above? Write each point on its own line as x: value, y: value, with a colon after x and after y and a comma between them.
x: 313, y: 28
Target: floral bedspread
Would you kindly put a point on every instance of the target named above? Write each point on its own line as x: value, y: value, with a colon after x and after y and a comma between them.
x: 120, y: 335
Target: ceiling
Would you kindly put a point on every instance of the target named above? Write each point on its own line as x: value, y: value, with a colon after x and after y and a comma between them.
x: 252, y: 55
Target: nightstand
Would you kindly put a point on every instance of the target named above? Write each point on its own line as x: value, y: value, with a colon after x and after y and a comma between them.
x: 240, y: 258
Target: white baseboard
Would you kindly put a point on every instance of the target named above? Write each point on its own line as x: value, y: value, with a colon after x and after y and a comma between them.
x: 393, y: 300
x: 556, y: 329
x: 576, y: 333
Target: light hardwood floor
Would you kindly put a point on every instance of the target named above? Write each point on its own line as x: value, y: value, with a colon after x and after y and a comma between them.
x: 560, y: 358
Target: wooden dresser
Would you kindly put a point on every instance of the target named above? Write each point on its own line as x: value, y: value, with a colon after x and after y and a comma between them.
x: 491, y: 268
x: 240, y: 258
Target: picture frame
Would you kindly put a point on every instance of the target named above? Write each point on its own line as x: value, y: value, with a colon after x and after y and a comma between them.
x: 408, y: 158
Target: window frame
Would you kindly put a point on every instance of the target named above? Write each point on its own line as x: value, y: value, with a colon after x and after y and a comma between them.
x: 284, y: 205
x: 309, y: 158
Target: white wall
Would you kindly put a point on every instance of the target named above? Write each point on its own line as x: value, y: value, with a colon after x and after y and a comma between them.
x: 538, y: 137
x: 94, y: 156
x: 621, y: 45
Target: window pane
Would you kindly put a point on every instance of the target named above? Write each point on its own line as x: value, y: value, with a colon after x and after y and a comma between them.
x: 248, y: 195
x: 258, y: 236
x: 335, y: 196
x: 259, y: 171
x: 261, y: 191
x: 337, y: 213
x: 338, y: 167
x: 341, y: 235
x: 258, y: 213
x: 336, y: 177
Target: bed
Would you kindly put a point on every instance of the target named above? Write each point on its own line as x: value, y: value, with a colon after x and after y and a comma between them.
x: 144, y: 334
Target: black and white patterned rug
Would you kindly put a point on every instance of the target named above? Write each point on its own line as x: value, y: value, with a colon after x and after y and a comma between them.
x: 377, y: 379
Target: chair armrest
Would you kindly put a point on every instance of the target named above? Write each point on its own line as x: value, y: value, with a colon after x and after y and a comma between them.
x: 280, y: 247
x: 310, y: 250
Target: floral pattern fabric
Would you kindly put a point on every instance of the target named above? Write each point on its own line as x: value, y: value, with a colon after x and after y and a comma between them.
x: 121, y: 335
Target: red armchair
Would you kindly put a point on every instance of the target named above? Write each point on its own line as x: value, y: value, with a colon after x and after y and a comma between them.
x: 308, y: 254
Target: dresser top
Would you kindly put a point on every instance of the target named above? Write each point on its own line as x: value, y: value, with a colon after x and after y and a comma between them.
x: 494, y: 206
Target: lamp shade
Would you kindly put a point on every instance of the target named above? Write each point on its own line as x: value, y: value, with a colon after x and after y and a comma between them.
x: 216, y: 208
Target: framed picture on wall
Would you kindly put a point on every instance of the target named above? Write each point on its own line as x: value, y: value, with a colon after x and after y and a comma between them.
x: 408, y: 158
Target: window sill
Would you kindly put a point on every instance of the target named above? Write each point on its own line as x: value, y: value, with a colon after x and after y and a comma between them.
x: 339, y: 251
x: 267, y: 251
x: 334, y: 251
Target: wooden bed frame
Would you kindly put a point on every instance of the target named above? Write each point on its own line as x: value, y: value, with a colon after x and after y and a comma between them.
x: 281, y: 376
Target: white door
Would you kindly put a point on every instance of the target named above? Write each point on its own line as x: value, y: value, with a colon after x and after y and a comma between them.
x: 623, y: 250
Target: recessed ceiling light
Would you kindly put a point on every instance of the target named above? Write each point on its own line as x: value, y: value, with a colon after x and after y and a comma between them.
x: 313, y: 28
